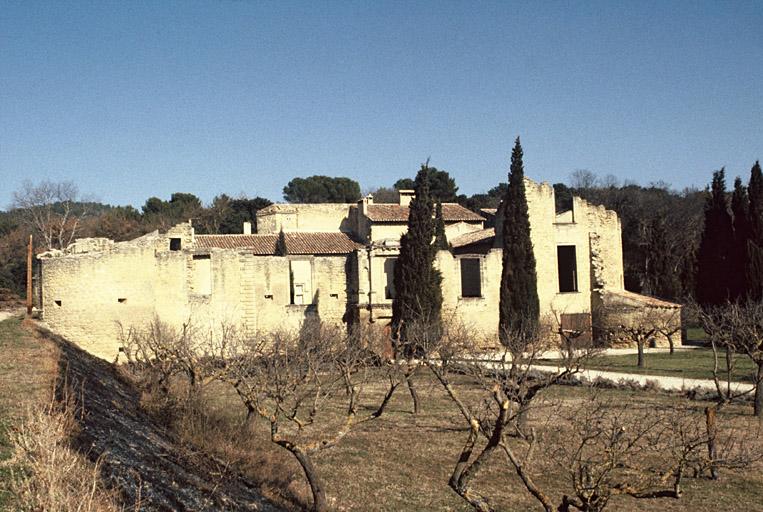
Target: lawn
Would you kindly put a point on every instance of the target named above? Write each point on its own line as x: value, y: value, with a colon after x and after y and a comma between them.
x: 694, y: 363
x: 402, y: 462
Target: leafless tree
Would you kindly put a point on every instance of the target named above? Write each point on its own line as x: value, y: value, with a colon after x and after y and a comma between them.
x: 289, y: 380
x: 511, y: 384
x: 48, y: 208
x: 639, y: 324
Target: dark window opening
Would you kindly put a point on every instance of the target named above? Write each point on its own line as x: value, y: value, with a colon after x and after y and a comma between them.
x: 389, y: 272
x: 121, y: 300
x: 568, y: 268
x: 58, y: 303
x: 175, y: 244
x: 471, y: 285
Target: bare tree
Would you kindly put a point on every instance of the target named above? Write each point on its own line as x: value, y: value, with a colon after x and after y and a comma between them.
x: 289, y: 380
x: 639, y: 324
x: 49, y: 208
x: 511, y: 384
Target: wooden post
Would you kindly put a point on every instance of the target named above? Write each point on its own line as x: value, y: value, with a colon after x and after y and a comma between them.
x: 29, y: 278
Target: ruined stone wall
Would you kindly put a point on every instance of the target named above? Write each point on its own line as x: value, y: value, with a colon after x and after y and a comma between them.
x: 87, y: 295
x: 317, y: 218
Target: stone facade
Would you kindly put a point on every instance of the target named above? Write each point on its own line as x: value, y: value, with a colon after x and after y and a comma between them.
x: 338, y: 268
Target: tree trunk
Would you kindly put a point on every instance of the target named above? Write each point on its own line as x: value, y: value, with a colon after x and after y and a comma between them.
x: 672, y: 345
x: 640, y: 345
x: 712, y: 431
x: 759, y: 392
x: 316, y: 484
x: 414, y: 393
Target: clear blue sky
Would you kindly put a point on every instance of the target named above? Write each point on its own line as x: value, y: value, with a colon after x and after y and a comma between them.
x: 133, y: 99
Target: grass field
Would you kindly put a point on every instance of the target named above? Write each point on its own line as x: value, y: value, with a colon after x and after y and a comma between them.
x: 402, y: 462
x: 27, y: 370
x: 695, y: 363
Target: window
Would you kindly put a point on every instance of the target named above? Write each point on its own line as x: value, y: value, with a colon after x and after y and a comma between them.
x: 301, y: 281
x: 175, y: 244
x: 389, y: 272
x: 201, y: 281
x: 568, y: 268
x: 471, y: 285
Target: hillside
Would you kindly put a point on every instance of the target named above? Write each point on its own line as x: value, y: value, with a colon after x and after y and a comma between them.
x: 137, y: 458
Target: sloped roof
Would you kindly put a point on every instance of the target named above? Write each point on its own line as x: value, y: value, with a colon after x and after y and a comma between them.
x: 296, y: 243
x: 627, y: 298
x: 451, y: 212
x: 472, y: 237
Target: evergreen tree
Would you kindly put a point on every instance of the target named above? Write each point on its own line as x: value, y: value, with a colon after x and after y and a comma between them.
x: 281, y: 249
x: 714, y: 256
x: 440, y: 238
x: 754, y: 272
x: 519, y: 308
x: 740, y: 206
x: 418, y: 296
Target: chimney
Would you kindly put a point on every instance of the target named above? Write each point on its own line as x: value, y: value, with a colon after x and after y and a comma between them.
x: 364, y: 202
x: 247, y: 228
x: 405, y: 196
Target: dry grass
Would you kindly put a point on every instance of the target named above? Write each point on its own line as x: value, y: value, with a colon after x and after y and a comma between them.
x: 403, y: 462
x: 38, y: 470
x: 45, y: 473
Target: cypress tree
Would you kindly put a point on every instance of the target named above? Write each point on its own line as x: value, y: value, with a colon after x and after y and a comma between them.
x: 418, y: 296
x: 740, y: 211
x: 281, y: 249
x: 754, y: 272
x: 519, y: 309
x: 713, y: 259
x: 440, y: 238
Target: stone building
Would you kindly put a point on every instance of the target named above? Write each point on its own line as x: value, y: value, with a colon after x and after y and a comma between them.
x: 338, y: 267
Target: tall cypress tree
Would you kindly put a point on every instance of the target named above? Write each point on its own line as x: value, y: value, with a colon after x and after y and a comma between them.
x: 519, y: 308
x: 713, y: 259
x: 418, y: 296
x: 440, y: 238
x: 754, y: 272
x: 740, y: 206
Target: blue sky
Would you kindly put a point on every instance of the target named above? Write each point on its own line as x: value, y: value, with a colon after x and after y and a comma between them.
x: 133, y: 99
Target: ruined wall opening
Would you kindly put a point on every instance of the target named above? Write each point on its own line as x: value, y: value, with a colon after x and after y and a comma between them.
x: 568, y: 268
x: 201, y: 279
x: 471, y: 278
x: 175, y: 244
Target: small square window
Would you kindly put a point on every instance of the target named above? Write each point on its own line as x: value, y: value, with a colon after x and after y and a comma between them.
x: 175, y: 244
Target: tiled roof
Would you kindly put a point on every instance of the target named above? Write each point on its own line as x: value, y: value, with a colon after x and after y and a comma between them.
x: 296, y: 243
x: 472, y: 237
x: 451, y: 212
x: 629, y: 298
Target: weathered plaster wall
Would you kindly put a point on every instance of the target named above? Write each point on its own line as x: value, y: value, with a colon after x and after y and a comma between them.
x: 324, y: 217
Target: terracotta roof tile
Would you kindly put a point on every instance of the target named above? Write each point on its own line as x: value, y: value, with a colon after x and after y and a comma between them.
x: 296, y: 243
x: 451, y: 212
x: 472, y: 237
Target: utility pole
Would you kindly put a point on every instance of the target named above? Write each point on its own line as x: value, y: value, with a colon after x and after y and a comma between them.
x: 29, y: 278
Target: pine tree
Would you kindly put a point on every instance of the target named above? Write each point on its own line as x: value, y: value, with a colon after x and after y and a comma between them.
x: 519, y: 308
x: 418, y: 296
x: 440, y: 238
x: 740, y: 206
x: 754, y: 273
x: 713, y: 259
